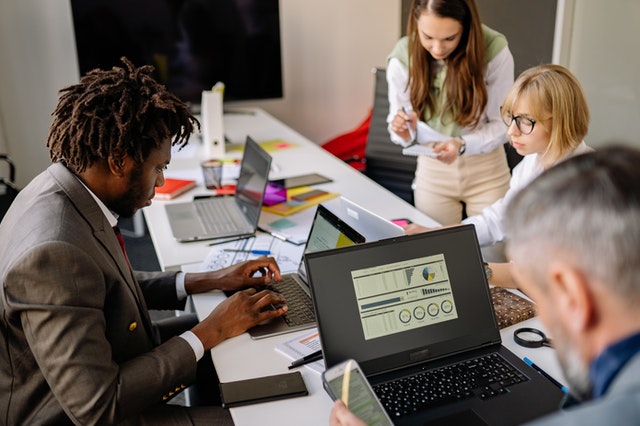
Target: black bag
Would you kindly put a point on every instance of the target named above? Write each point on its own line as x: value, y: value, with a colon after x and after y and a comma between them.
x: 8, y: 189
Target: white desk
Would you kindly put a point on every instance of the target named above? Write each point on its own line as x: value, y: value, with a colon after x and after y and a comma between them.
x: 241, y: 357
x: 307, y: 157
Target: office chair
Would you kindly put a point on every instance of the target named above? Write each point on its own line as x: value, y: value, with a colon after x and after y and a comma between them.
x: 384, y: 161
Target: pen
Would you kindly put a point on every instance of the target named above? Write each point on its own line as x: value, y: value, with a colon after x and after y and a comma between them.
x: 545, y: 374
x: 313, y: 356
x: 412, y: 133
x: 279, y: 236
x: 231, y: 240
x: 267, y: 252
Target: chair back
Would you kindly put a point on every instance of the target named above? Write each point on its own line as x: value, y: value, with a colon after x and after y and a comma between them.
x: 385, y: 163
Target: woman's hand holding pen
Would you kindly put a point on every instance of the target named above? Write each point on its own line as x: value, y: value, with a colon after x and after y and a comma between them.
x: 404, y: 124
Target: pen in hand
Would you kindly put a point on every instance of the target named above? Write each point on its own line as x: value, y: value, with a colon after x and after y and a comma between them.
x: 312, y: 357
x: 412, y: 133
x: 265, y: 252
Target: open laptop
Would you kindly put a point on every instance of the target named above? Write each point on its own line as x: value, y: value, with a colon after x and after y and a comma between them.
x: 327, y: 232
x: 404, y: 307
x: 369, y: 224
x: 218, y: 217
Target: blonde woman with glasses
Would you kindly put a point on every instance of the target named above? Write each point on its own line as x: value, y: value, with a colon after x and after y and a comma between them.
x: 547, y: 118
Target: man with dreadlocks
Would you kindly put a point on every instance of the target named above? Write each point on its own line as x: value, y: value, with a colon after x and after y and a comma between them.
x: 77, y: 345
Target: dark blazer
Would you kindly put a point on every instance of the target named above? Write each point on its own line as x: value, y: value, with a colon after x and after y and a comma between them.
x: 76, y: 342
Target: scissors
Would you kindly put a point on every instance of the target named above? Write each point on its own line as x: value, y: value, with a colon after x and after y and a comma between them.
x: 531, y: 338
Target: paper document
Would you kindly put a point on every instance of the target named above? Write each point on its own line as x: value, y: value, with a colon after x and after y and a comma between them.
x: 286, y: 254
x: 303, y: 345
x: 294, y: 228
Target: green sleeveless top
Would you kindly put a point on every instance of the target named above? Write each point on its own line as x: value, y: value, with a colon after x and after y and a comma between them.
x: 442, y: 121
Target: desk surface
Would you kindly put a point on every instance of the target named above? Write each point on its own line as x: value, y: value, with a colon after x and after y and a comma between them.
x: 241, y: 357
x: 305, y: 157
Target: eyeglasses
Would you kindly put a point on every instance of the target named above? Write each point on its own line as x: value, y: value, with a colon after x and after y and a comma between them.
x: 524, y: 124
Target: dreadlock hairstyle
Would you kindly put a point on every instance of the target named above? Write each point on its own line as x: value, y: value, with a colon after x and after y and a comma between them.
x: 466, y: 92
x: 113, y: 112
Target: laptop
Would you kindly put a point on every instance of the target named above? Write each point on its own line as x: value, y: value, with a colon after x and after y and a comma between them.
x: 327, y: 232
x: 218, y: 217
x: 417, y: 306
x: 369, y: 224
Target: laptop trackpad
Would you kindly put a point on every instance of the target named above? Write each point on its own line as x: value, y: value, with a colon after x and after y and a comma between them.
x: 466, y: 417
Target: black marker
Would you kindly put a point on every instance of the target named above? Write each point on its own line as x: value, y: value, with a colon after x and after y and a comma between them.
x: 313, y: 356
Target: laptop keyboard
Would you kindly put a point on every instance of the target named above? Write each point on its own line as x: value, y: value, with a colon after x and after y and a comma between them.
x: 300, y: 305
x: 215, y: 217
x: 483, y: 377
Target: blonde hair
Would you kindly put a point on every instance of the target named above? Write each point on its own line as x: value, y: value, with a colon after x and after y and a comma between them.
x: 553, y: 92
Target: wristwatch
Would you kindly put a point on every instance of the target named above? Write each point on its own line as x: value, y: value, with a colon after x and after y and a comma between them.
x: 487, y: 271
x: 463, y: 147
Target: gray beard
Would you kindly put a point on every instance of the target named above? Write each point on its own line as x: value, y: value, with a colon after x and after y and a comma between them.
x: 576, y: 373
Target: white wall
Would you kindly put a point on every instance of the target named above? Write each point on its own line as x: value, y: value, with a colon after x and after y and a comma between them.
x: 602, y: 48
x: 37, y: 60
x: 329, y: 48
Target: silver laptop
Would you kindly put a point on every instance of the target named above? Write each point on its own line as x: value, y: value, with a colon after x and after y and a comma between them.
x: 226, y: 216
x: 327, y: 232
x: 369, y: 224
x: 416, y: 313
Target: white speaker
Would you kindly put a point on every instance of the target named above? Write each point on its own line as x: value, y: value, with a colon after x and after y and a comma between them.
x: 212, y: 116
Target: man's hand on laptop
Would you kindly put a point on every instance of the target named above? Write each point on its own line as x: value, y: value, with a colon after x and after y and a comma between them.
x: 238, y: 313
x: 251, y: 273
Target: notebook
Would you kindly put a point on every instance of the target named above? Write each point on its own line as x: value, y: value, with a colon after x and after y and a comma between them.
x: 417, y: 149
x: 369, y: 224
x: 327, y: 232
x: 402, y: 307
x: 228, y: 216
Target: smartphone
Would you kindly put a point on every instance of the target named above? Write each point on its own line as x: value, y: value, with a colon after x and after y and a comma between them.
x: 402, y: 221
x: 302, y: 180
x: 346, y: 381
x: 262, y: 389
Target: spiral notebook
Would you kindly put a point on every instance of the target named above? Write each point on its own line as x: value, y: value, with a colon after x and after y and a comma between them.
x: 419, y: 149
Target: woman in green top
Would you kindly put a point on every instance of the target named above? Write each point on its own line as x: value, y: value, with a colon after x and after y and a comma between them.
x: 447, y: 79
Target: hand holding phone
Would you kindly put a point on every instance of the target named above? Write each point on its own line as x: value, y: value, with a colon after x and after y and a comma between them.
x: 347, y: 382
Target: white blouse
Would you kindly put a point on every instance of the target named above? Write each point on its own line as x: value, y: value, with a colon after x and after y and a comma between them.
x: 489, y: 223
x: 490, y: 132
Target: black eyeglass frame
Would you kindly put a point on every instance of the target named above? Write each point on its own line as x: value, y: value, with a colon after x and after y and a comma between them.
x: 517, y: 118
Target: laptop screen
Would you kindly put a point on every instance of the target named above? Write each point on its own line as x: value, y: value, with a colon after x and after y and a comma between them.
x: 400, y: 301
x: 328, y: 232
x: 254, y: 174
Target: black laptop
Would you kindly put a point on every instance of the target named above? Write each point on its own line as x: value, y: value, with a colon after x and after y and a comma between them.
x: 416, y: 313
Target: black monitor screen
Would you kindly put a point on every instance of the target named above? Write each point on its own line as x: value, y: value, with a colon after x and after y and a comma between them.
x: 192, y: 44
